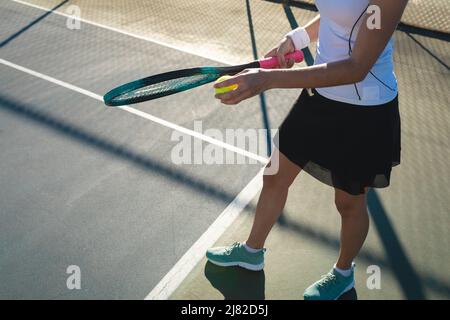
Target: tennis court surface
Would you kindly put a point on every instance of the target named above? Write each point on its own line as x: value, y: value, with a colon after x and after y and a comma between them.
x: 94, y: 187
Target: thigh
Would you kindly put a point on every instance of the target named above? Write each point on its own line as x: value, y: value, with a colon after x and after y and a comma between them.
x: 281, y: 168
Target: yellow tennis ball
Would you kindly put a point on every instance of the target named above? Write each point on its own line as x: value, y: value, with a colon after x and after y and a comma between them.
x: 225, y: 89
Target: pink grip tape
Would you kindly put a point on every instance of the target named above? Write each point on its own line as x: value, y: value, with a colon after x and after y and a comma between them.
x: 272, y: 63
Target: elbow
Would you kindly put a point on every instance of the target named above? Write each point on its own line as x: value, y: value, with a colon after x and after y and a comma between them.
x: 358, y: 71
x: 360, y: 75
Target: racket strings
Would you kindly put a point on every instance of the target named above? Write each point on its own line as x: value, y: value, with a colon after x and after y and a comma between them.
x: 166, y: 87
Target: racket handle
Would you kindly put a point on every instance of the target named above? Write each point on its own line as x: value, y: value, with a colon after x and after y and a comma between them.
x: 272, y: 63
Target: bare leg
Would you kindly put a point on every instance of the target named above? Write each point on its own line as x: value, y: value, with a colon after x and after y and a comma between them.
x: 354, y: 227
x: 272, y: 200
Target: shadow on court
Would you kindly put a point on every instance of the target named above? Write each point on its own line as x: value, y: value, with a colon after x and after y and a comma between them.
x: 349, y: 295
x: 81, y: 135
x: 294, y: 25
x: 409, y: 280
x: 262, y: 97
x: 236, y: 283
x: 403, y: 269
x: 31, y: 24
x: 411, y: 283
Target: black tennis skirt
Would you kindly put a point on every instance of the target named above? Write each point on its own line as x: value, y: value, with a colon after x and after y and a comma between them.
x: 346, y: 146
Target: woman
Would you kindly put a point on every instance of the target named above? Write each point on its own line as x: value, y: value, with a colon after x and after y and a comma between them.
x: 345, y: 131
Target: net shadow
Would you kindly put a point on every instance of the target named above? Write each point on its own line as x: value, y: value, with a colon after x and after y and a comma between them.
x: 262, y: 98
x: 397, y: 260
x: 31, y: 24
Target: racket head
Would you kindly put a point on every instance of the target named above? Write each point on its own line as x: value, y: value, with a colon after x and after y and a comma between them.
x: 172, y: 82
x: 165, y: 84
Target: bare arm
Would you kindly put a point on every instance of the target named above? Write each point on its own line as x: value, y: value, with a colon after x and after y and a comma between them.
x: 312, y: 27
x: 368, y: 47
x: 288, y: 45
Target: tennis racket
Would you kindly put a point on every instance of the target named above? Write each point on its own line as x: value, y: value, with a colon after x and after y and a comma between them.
x: 168, y: 83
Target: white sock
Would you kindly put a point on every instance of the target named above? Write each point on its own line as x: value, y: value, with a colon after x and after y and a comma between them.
x: 346, y: 272
x: 251, y: 250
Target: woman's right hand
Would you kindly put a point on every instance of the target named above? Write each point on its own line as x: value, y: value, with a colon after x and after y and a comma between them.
x: 284, y: 47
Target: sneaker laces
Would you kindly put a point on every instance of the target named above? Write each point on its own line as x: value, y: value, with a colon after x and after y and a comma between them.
x: 231, y: 248
x: 327, y: 279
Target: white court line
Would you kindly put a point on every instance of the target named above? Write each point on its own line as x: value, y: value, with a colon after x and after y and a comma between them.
x: 170, y: 282
x: 136, y: 36
x: 139, y: 113
x: 192, y: 257
x: 189, y: 260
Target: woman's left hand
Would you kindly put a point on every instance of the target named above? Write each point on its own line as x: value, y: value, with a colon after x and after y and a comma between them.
x: 250, y: 83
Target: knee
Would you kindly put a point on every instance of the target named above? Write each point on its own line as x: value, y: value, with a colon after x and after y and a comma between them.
x: 347, y: 206
x: 276, y: 181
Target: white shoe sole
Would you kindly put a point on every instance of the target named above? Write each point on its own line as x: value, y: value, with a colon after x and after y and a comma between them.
x: 252, y: 267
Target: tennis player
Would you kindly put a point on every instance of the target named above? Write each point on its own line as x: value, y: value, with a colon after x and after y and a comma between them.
x: 345, y: 131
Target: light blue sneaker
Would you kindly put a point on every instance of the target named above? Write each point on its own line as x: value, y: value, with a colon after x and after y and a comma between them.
x: 331, y: 286
x: 236, y: 255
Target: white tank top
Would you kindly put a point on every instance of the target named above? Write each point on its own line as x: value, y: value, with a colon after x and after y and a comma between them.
x: 337, y: 18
